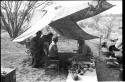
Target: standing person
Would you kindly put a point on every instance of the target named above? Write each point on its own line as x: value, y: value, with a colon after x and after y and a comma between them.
x: 85, y: 50
x: 80, y: 43
x: 47, y: 40
x: 35, y: 48
x: 53, y: 50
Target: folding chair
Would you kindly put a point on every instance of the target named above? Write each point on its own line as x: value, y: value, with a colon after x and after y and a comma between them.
x: 53, y: 61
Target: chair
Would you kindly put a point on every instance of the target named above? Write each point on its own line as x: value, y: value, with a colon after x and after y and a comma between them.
x: 50, y: 62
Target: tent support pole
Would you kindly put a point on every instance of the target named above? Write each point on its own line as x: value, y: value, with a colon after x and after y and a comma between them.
x: 100, y: 47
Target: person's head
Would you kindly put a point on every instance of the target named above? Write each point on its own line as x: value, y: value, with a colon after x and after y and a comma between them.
x: 111, y: 48
x: 55, y: 39
x: 38, y: 34
x: 80, y: 41
x: 50, y: 35
x: 104, y: 44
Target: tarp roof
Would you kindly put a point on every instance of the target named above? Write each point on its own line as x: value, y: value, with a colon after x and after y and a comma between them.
x: 63, y: 20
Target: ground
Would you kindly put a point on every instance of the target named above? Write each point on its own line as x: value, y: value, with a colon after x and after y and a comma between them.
x: 13, y: 55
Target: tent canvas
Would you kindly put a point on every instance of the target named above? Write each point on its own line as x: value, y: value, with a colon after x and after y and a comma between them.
x: 38, y: 24
x: 68, y: 27
x: 70, y: 30
x: 64, y: 23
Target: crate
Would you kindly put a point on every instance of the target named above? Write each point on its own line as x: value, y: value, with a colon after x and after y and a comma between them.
x: 8, y: 75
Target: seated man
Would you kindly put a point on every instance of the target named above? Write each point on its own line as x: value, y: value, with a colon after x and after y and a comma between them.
x: 53, y: 50
x: 118, y: 45
x: 115, y: 51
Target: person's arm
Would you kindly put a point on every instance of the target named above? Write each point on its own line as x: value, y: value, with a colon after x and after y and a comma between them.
x: 55, y: 49
x: 32, y: 44
x: 119, y: 43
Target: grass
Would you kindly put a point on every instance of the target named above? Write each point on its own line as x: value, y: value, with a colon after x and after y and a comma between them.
x: 13, y: 55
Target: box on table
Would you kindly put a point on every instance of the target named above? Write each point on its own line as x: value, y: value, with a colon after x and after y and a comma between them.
x: 8, y: 75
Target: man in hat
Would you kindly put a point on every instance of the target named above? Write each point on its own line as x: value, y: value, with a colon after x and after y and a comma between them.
x: 36, y: 49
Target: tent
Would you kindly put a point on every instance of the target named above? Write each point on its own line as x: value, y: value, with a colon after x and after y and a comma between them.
x: 63, y: 20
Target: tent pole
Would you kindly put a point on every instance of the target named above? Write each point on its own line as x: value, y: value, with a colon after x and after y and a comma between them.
x: 100, y: 47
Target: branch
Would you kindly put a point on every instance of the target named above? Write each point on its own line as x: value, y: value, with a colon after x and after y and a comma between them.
x: 2, y: 24
x: 6, y: 25
x: 10, y: 15
x: 9, y: 6
x: 16, y: 9
x: 39, y: 4
x: 26, y: 12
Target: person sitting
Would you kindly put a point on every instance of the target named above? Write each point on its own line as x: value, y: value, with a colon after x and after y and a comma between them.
x: 113, y: 49
x: 118, y: 45
x: 53, y: 50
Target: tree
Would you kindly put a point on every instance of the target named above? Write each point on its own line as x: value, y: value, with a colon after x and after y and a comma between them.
x: 109, y: 24
x: 14, y: 14
x: 97, y: 19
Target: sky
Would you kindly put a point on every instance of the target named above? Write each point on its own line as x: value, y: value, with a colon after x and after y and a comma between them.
x: 114, y: 10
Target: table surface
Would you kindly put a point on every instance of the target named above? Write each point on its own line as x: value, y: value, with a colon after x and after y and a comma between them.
x: 7, y: 70
x: 87, y: 77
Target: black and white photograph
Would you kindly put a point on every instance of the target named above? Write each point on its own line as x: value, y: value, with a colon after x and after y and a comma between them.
x: 61, y: 41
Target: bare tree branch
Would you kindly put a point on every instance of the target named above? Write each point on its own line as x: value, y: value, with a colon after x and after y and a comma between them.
x: 16, y: 13
x: 5, y: 24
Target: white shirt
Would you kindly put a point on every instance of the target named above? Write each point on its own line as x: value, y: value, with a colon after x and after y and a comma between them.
x: 53, y: 50
x: 119, y: 43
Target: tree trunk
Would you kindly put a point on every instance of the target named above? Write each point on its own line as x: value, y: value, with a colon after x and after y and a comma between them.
x: 108, y: 34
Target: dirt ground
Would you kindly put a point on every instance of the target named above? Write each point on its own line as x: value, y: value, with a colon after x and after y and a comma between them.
x: 13, y: 55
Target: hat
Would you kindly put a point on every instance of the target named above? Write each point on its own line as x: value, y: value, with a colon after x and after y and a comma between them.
x: 39, y: 32
x: 50, y: 34
x: 55, y: 38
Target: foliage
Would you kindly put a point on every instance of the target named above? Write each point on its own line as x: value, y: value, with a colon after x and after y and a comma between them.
x: 16, y: 14
x: 105, y: 24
